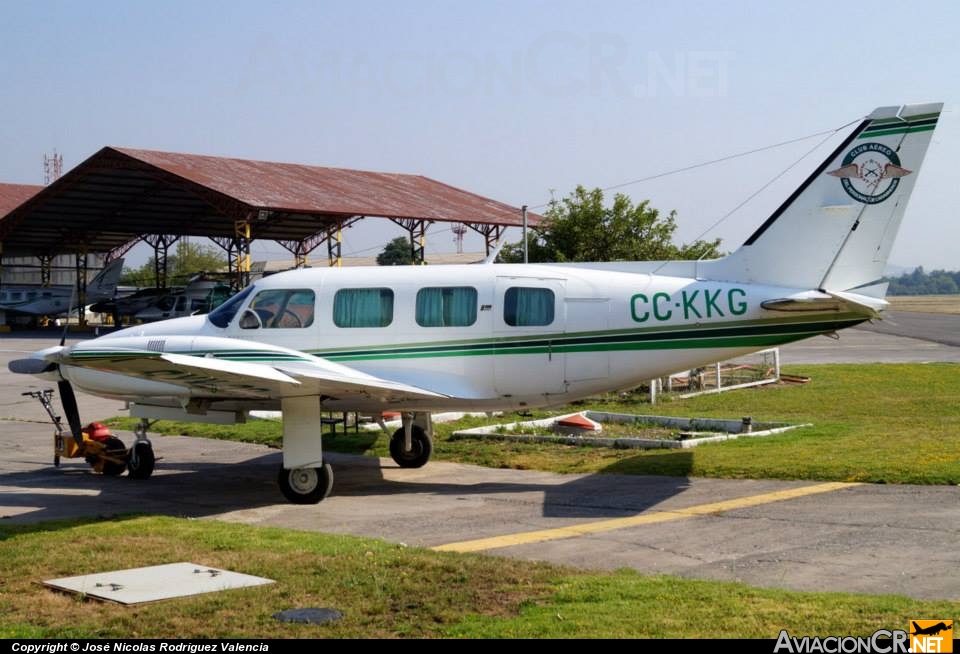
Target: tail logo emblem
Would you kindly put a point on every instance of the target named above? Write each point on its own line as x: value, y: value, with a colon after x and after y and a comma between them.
x: 870, y: 173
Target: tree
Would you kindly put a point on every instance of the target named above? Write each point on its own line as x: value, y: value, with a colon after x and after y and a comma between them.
x: 396, y: 253
x: 188, y: 259
x: 581, y: 228
x: 920, y: 282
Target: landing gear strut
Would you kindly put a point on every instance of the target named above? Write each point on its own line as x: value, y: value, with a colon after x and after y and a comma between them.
x: 304, y: 476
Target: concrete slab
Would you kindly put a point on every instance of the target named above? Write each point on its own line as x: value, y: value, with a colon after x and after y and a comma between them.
x: 155, y: 583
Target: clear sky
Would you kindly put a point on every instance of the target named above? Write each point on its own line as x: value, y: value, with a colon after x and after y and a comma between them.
x: 510, y: 99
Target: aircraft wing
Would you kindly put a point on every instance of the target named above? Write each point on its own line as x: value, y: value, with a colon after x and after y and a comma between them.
x: 224, y: 379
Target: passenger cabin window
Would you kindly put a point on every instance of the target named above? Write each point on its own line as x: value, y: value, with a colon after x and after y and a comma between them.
x: 279, y: 309
x: 528, y: 307
x: 363, y: 307
x: 448, y: 306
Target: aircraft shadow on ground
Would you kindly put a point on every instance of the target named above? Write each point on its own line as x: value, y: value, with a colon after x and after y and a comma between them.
x: 198, y: 489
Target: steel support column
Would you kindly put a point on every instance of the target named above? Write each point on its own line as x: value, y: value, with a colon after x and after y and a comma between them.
x: 335, y: 244
x: 80, y: 266
x: 491, y: 234
x: 46, y: 268
x: 238, y: 253
x: 417, y: 229
x: 161, y: 245
x: 241, y: 264
x: 301, y: 249
x: 300, y: 255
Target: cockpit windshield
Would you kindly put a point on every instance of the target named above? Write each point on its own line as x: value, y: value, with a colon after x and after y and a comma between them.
x: 222, y: 315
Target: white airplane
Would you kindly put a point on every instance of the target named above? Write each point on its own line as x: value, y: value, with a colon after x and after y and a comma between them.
x: 60, y: 299
x: 493, y: 336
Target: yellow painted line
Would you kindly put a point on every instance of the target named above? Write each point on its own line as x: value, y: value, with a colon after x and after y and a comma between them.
x: 584, y: 529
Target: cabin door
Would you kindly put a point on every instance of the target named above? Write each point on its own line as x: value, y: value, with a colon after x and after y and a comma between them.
x: 586, y: 358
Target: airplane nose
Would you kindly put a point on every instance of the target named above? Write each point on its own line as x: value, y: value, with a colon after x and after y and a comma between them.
x: 36, y: 364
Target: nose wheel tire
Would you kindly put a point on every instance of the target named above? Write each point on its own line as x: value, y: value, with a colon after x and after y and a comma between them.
x: 420, y: 451
x: 142, y: 461
x: 306, y: 485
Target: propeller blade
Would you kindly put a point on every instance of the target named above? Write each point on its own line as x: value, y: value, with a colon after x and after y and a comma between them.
x: 69, y: 401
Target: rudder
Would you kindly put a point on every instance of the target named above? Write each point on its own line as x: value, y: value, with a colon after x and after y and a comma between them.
x: 836, y: 230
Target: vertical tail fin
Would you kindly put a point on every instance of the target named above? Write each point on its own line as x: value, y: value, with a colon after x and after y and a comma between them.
x: 836, y: 230
x: 104, y: 285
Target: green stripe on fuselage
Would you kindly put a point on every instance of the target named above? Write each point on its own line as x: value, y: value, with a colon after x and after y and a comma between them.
x: 745, y: 333
x: 682, y: 337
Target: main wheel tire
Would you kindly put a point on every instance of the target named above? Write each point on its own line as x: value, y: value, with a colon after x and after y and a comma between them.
x: 306, y: 485
x: 115, y: 448
x: 419, y: 454
x: 142, y: 461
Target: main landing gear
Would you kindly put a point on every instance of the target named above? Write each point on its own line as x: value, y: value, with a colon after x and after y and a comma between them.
x: 305, y: 478
x: 305, y: 485
x: 412, y: 444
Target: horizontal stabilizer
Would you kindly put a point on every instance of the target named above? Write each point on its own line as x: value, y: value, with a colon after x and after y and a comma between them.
x: 838, y: 302
x: 863, y: 304
x: 875, y: 291
x: 803, y: 304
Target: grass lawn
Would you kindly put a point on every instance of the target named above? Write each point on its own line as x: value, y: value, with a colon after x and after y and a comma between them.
x: 925, y: 303
x: 881, y: 423
x: 387, y: 590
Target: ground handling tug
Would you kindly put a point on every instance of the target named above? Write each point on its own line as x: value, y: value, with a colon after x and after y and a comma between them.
x: 105, y: 453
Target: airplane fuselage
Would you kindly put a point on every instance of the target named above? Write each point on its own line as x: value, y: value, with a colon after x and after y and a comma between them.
x: 59, y: 299
x: 490, y: 336
x: 37, y: 300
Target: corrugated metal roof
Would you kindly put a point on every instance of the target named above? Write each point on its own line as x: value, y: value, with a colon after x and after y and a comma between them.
x: 119, y: 194
x: 13, y: 195
x: 433, y: 258
x: 319, y: 190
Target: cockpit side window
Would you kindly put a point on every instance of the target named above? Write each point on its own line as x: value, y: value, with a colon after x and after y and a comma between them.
x: 282, y: 309
x: 222, y: 315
